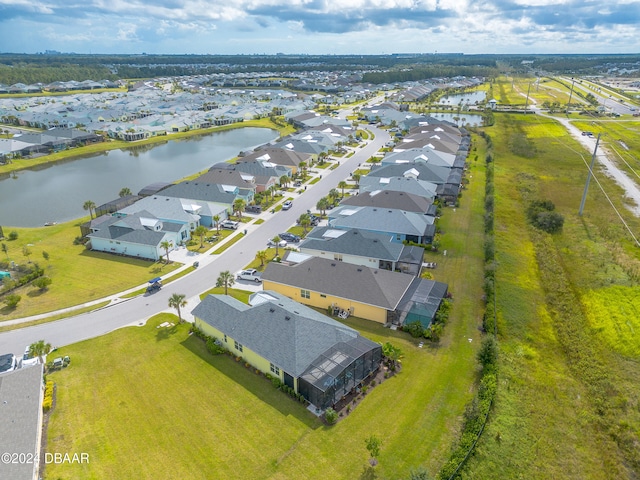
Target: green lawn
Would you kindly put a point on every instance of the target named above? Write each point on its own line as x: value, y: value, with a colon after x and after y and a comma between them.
x: 569, y: 361
x: 73, y: 269
x: 157, y: 406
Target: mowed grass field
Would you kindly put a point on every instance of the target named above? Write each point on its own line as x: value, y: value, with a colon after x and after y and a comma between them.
x: 78, y: 275
x: 149, y: 402
x: 568, y: 401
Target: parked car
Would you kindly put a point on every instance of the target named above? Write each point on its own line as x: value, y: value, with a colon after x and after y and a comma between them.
x: 289, y: 237
x: 28, y: 359
x: 251, y: 275
x: 253, y: 209
x: 230, y: 224
x: 287, y: 205
x: 8, y: 362
x: 281, y: 243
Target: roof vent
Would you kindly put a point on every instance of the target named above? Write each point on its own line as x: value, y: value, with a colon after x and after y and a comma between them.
x: 333, y: 264
x: 287, y: 317
x: 272, y: 309
x: 375, y: 240
x: 359, y: 269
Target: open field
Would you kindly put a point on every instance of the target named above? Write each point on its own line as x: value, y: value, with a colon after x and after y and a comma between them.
x: 238, y: 425
x: 568, y: 401
x: 74, y: 270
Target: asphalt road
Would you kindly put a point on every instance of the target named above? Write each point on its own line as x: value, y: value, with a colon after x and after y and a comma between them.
x: 138, y: 309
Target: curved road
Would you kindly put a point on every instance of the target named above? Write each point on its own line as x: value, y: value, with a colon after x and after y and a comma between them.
x: 138, y: 309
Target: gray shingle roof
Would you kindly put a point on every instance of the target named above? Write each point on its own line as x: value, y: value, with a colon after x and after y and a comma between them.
x: 371, y: 286
x: 20, y: 411
x: 200, y: 191
x: 403, y: 184
x: 288, y: 334
x: 390, y: 199
x: 382, y: 220
x: 430, y: 173
x: 353, y: 242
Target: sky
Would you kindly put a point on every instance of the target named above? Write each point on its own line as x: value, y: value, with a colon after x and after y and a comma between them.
x: 319, y: 26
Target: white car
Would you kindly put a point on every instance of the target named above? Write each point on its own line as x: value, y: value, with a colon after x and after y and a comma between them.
x: 281, y: 243
x: 8, y: 362
x: 28, y: 359
x: 287, y: 205
x: 251, y: 275
x: 229, y: 224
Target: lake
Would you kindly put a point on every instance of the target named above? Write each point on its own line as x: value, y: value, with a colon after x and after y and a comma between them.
x: 56, y: 193
x: 471, y: 98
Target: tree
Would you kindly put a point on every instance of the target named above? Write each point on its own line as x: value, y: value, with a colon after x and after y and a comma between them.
x: 167, y: 245
x: 26, y: 251
x: 216, y: 219
x: 305, y: 222
x: 226, y: 280
x: 89, y: 205
x: 262, y: 256
x: 488, y: 353
x: 12, y: 300
x: 322, y: 205
x: 356, y: 178
x: 333, y: 195
x: 342, y: 185
x: 276, y: 242
x: 177, y: 301
x: 238, y: 207
x: 5, y: 250
x: 42, y: 283
x: 201, y: 231
x: 392, y: 353
x: 126, y: 191
x: 331, y: 416
x: 373, y: 444
x: 39, y: 349
x: 45, y: 255
x: 284, y: 180
x: 303, y: 169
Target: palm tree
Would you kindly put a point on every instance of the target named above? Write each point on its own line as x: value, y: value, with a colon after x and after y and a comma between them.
x: 39, y: 349
x: 177, y: 301
x: 305, y: 222
x: 303, y: 169
x: 356, y: 178
x: 322, y: 205
x: 284, y: 180
x: 201, y: 231
x: 89, y: 205
x: 216, y: 218
x: 262, y: 256
x: 342, y: 185
x: 166, y: 245
x: 226, y: 280
x: 238, y: 207
x: 276, y: 241
x: 333, y: 195
x: 125, y: 192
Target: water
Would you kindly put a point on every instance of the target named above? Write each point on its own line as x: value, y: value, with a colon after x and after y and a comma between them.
x: 471, y: 98
x: 469, y: 119
x: 56, y: 193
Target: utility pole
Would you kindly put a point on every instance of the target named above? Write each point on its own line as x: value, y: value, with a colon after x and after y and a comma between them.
x: 586, y: 185
x: 526, y: 104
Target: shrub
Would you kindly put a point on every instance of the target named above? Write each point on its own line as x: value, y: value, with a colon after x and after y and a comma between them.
x: 276, y: 382
x: 331, y: 416
x: 12, y: 301
x: 415, y: 329
x: 47, y: 402
x: 13, y: 235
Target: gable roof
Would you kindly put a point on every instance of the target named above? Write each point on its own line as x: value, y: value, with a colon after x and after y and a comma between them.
x: 352, y: 242
x: 280, y: 156
x: 403, y: 184
x: 382, y: 220
x: 390, y: 199
x: 286, y: 333
x: 133, y: 228
x: 423, y: 171
x: 372, y: 286
x: 207, y: 192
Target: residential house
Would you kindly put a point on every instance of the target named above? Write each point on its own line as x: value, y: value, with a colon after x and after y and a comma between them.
x: 311, y: 353
x: 138, y: 235
x: 214, y: 194
x: 394, y: 199
x: 401, y: 225
x: 284, y: 157
x: 360, y: 247
x: 364, y: 292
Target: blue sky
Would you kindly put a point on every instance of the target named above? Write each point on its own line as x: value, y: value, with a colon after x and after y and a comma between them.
x: 320, y: 26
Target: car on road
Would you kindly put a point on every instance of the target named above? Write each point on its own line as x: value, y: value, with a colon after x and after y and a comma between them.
x: 155, y: 284
x: 289, y: 237
x: 28, y: 359
x: 281, y: 243
x: 251, y: 275
x: 287, y: 205
x: 8, y: 362
x: 230, y: 224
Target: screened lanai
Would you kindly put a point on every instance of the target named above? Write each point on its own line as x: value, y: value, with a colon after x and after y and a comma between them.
x: 338, y: 370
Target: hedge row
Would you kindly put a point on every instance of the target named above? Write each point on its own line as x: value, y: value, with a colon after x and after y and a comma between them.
x: 48, y: 396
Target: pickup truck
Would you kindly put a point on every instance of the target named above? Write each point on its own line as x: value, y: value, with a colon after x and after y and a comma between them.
x: 251, y: 275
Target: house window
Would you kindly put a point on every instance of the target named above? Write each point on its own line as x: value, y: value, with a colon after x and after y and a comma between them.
x: 238, y: 346
x: 305, y: 293
x: 225, y: 338
x: 274, y: 369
